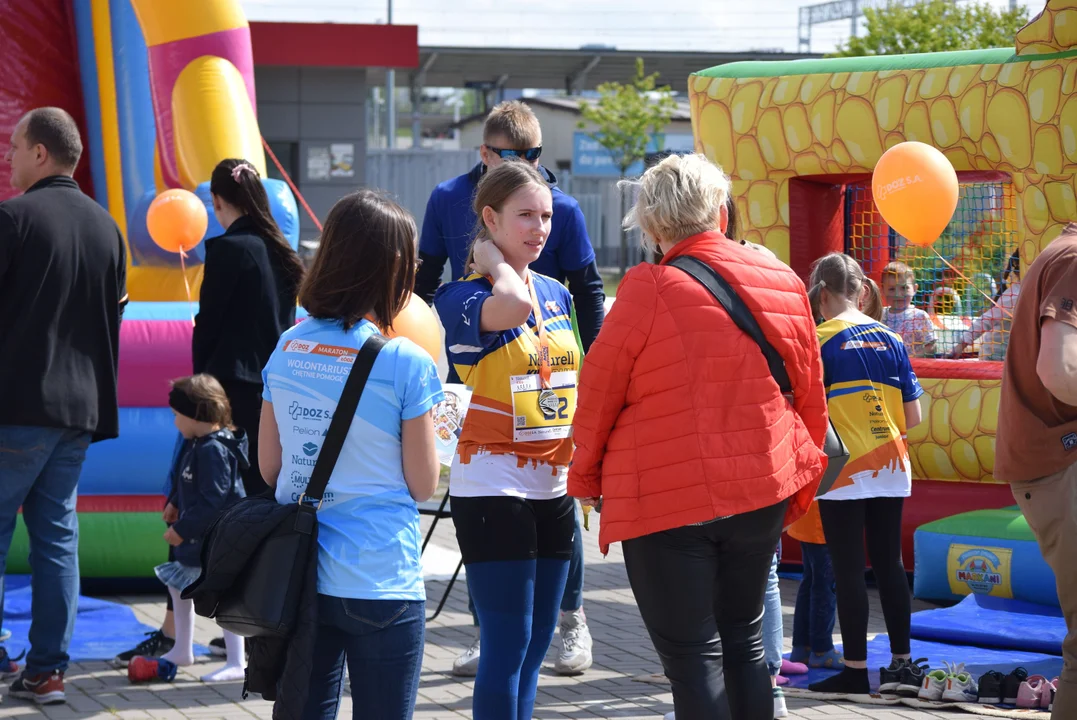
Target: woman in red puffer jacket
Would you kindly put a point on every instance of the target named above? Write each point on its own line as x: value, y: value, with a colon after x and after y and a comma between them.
x: 698, y: 458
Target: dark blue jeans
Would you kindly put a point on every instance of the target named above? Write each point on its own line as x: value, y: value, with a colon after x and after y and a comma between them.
x: 813, y: 619
x: 39, y: 471
x: 382, y: 642
x: 572, y: 600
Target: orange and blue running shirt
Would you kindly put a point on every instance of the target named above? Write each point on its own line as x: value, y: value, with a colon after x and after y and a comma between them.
x: 868, y: 378
x: 489, y: 462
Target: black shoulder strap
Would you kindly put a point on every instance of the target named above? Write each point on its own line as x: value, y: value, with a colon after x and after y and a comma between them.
x: 342, y: 416
x: 727, y: 297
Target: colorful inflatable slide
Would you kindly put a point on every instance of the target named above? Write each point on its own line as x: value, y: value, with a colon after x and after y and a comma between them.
x: 163, y: 92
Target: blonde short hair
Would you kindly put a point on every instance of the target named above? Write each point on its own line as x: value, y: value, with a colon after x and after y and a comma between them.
x: 679, y: 197
x: 515, y: 122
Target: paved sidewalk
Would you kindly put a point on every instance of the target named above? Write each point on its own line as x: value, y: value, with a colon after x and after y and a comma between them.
x: 622, y: 652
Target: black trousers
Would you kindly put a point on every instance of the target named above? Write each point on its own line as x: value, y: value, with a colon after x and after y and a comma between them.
x: 700, y: 590
x: 246, y: 401
x: 846, y: 523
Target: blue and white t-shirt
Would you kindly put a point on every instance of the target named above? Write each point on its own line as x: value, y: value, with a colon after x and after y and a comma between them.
x: 368, y: 525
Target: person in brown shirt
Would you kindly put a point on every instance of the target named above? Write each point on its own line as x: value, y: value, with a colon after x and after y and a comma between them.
x: 1036, y: 443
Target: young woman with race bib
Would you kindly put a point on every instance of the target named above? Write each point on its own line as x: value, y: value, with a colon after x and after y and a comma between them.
x: 510, y: 337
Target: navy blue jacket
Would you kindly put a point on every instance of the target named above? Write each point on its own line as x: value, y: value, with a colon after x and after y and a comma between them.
x: 449, y: 226
x: 205, y: 479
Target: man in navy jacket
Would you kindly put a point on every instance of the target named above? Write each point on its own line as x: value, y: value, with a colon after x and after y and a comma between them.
x: 513, y: 130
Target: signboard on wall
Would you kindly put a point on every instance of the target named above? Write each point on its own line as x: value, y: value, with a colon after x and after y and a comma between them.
x: 590, y: 159
x: 318, y: 164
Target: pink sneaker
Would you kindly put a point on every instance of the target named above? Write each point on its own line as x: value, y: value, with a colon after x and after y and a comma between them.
x: 1047, y: 694
x: 1030, y: 693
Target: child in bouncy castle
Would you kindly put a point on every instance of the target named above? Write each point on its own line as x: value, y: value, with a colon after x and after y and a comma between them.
x: 816, y: 606
x: 991, y: 330
x: 911, y: 323
x: 207, y: 479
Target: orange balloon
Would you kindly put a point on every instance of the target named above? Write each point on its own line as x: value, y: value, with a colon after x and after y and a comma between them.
x: 177, y: 220
x: 418, y: 323
x: 915, y: 189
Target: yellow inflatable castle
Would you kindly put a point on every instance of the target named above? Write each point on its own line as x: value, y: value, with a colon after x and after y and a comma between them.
x: 800, y: 140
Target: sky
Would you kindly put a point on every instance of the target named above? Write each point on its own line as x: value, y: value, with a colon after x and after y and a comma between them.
x: 715, y: 25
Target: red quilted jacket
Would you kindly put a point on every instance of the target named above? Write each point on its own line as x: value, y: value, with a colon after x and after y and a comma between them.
x: 679, y: 419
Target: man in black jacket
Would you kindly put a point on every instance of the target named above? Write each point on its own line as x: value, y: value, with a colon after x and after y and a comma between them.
x: 62, y: 291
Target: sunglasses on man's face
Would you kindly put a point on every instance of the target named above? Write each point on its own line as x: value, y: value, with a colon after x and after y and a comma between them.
x: 530, y: 154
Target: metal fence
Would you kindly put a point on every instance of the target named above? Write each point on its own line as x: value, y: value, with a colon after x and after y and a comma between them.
x: 409, y: 176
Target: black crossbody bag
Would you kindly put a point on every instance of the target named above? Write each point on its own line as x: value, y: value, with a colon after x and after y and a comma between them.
x: 727, y: 297
x: 263, y: 599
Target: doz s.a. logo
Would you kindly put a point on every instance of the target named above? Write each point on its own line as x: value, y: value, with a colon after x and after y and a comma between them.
x: 980, y: 570
x: 301, y: 412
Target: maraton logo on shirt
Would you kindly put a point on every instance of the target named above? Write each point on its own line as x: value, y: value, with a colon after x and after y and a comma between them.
x: 307, y: 347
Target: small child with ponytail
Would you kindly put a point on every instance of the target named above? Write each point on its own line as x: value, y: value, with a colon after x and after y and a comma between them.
x: 872, y: 397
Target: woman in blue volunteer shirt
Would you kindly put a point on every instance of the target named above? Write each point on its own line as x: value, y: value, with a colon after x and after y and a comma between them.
x: 370, y: 587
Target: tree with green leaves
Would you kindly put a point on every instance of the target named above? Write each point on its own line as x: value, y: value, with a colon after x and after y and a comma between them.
x: 935, y: 26
x: 625, y: 117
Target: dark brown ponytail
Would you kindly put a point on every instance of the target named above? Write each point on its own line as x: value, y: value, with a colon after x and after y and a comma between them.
x: 243, y: 190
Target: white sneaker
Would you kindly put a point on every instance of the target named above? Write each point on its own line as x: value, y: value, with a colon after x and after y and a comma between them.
x: 934, y: 685
x: 467, y: 665
x: 575, y: 655
x: 669, y: 716
x: 780, y: 710
x: 960, y: 685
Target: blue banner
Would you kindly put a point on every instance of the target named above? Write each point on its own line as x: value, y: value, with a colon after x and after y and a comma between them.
x: 590, y: 159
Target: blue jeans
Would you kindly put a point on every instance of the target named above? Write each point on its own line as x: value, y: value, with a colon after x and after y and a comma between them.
x: 39, y: 471
x: 572, y: 600
x: 773, y: 632
x: 382, y: 642
x: 813, y: 621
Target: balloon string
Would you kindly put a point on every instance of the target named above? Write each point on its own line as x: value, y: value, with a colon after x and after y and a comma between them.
x: 186, y: 283
x: 970, y: 282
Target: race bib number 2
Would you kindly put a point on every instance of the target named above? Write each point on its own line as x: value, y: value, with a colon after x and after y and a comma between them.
x: 543, y: 413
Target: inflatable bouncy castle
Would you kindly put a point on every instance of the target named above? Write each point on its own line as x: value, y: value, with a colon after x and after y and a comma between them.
x: 162, y: 91
x: 800, y: 140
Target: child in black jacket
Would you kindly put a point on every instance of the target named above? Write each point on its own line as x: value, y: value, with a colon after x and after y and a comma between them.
x: 207, y: 478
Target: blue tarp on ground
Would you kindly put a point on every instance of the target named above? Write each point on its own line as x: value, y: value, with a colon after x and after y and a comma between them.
x: 994, y: 622
x: 103, y: 629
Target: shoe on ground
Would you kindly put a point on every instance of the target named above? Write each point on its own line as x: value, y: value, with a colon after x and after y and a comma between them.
x: 467, y: 665
x: 890, y: 677
x: 1047, y: 694
x: 780, y: 710
x: 933, y: 686
x: 143, y: 669
x: 960, y: 685
x: 1011, y: 684
x: 8, y: 667
x: 669, y: 716
x: 830, y: 660
x: 793, y: 668
x: 990, y: 690
x: 1031, y: 692
x: 155, y: 645
x: 576, y: 644
x: 217, y: 648
x: 43, y: 688
x: 912, y: 678
x: 800, y: 654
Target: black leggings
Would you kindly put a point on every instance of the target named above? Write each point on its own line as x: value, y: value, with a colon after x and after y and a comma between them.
x: 846, y: 522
